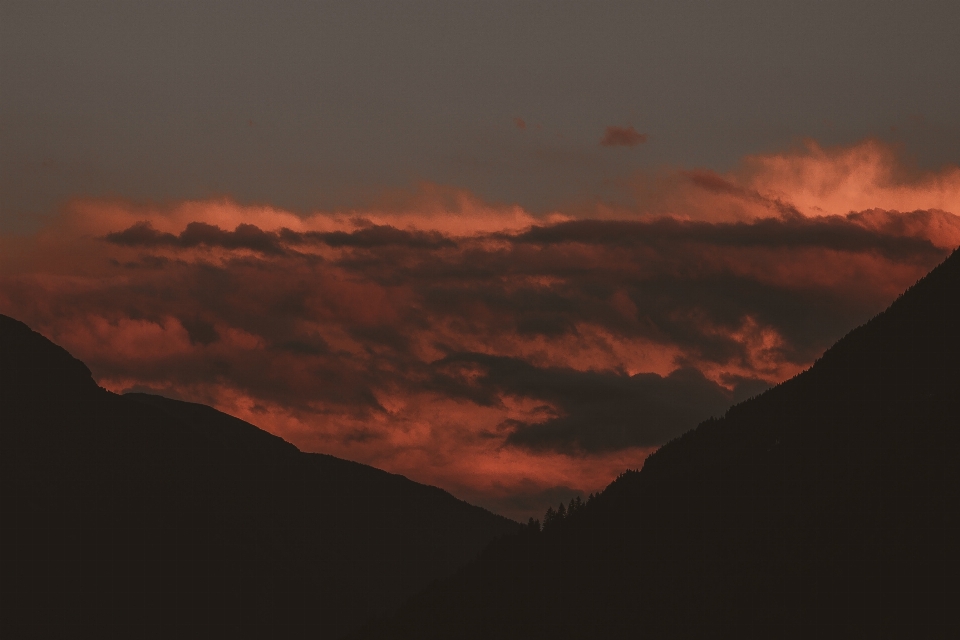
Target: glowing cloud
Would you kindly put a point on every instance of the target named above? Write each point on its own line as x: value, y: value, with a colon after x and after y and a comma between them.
x: 811, y: 181
x: 506, y: 356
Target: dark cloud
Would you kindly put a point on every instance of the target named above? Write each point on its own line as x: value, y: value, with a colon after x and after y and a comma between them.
x: 375, y: 236
x: 622, y: 137
x: 838, y: 233
x: 597, y: 411
x: 142, y: 234
x: 245, y: 236
x: 313, y: 347
x: 248, y: 236
x: 199, y: 330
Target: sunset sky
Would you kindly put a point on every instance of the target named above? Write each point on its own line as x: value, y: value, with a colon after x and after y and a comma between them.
x: 506, y: 248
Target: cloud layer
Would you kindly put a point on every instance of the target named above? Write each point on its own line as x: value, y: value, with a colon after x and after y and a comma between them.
x: 501, y: 355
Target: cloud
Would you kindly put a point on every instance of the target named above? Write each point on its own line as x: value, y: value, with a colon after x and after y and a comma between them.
x: 520, y: 123
x: 374, y: 236
x: 248, y: 236
x: 503, y: 355
x: 245, y: 236
x: 870, y: 231
x: 592, y: 411
x: 809, y: 180
x: 622, y: 137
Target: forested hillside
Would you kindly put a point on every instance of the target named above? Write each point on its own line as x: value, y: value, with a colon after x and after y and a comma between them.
x: 827, y: 506
x: 141, y: 516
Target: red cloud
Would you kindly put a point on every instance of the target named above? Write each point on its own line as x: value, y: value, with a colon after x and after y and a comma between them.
x: 809, y: 181
x: 450, y: 340
x: 520, y: 123
x: 622, y: 137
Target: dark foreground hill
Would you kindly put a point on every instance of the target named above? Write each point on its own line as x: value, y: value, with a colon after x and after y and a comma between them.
x: 827, y: 506
x: 140, y: 516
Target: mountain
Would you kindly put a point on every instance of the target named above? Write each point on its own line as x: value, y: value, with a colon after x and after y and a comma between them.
x: 141, y: 516
x: 828, y: 506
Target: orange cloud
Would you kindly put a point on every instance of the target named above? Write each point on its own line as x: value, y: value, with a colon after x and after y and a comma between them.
x: 622, y: 137
x: 841, y: 180
x: 810, y: 181
x: 452, y: 340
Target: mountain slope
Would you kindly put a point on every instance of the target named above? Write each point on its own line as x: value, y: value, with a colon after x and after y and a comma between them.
x: 141, y: 515
x: 827, y: 506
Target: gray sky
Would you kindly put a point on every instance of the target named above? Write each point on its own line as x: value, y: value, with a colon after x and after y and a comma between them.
x: 321, y: 105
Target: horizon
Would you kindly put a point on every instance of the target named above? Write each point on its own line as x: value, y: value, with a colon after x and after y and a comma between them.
x: 495, y: 282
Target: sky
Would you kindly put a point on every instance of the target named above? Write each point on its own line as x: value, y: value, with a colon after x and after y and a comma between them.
x: 504, y: 248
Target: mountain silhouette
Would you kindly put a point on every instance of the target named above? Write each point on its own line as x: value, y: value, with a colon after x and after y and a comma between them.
x: 828, y: 506
x: 141, y: 516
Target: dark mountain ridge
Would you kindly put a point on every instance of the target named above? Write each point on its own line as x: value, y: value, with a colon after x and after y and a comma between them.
x: 826, y: 506
x: 142, y: 516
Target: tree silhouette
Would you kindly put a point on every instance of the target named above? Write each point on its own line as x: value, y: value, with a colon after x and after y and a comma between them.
x: 549, y: 519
